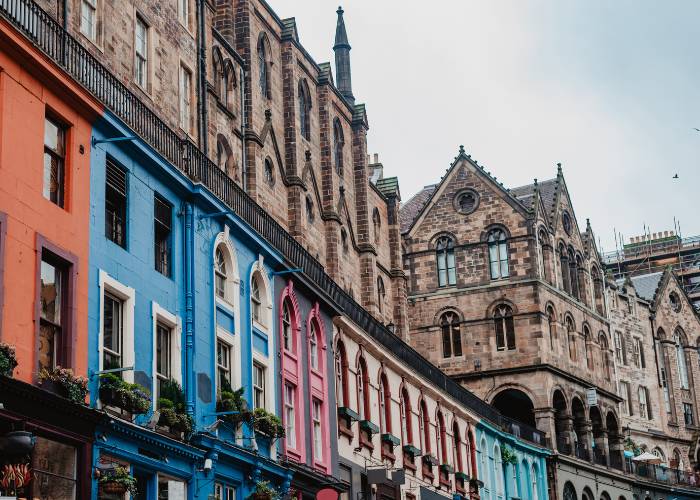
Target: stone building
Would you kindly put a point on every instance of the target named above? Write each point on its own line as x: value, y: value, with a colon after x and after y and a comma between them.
x: 235, y: 79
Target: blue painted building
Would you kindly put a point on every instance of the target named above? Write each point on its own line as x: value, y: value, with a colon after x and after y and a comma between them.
x: 508, y: 466
x: 180, y: 290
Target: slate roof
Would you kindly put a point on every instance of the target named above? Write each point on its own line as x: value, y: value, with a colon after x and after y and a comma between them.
x: 547, y: 192
x: 645, y: 284
x: 410, y: 210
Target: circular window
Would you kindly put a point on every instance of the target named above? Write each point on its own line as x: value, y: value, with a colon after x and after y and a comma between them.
x: 269, y: 173
x: 466, y: 201
x: 566, y: 222
x: 675, y: 301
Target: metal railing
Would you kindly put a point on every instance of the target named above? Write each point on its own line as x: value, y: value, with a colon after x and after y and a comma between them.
x: 599, y: 457
x: 582, y: 452
x: 663, y: 474
x: 64, y: 50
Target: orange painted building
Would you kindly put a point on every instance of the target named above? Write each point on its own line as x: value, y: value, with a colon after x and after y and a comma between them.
x: 45, y: 133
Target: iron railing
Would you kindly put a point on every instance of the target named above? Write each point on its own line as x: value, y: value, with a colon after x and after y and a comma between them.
x: 64, y: 50
x: 582, y: 452
x: 665, y: 475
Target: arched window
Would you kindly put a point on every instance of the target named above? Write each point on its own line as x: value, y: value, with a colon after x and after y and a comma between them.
x: 484, y: 461
x: 224, y: 87
x: 220, y: 272
x: 571, y: 337
x: 451, y: 337
x: 310, y: 215
x: 543, y: 254
x: 406, y: 418
x: 304, y: 111
x: 498, y: 460
x: 534, y: 486
x: 573, y: 274
x: 604, y: 354
x: 424, y: 422
x: 587, y: 345
x: 384, y: 405
x: 344, y: 239
x: 678, y: 339
x: 257, y: 299
x: 377, y: 224
x: 381, y: 293
x: 598, y: 290
x: 564, y: 269
x: 552, y: 325
x: 222, y: 153
x: 569, y: 491
x: 288, y: 335
x: 505, y: 330
x: 263, y: 67
x: 498, y: 254
x: 269, y: 173
x: 445, y: 254
x: 363, y: 408
x: 338, y: 145
x: 341, y: 376
x: 457, y: 447
x: 441, y: 438
x: 314, y: 351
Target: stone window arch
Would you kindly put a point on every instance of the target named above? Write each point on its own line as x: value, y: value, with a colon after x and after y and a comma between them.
x: 451, y: 335
x: 304, y: 110
x: 445, y: 258
x: 498, y: 254
x: 264, y: 63
x: 604, y: 354
x: 504, y: 328
x: 338, y: 146
x: 573, y: 274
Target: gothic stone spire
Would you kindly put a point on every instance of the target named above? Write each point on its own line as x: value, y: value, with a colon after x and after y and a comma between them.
x: 342, y: 59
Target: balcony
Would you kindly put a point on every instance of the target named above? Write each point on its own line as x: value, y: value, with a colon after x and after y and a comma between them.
x: 663, y: 474
x: 582, y: 452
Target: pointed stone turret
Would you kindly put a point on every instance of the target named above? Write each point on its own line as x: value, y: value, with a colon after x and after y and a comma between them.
x: 342, y: 59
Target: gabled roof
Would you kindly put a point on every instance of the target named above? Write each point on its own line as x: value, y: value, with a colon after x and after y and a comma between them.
x: 410, y: 210
x: 645, y: 284
x: 546, y: 188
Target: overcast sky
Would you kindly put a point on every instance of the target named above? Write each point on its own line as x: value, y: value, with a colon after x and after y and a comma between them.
x: 607, y: 88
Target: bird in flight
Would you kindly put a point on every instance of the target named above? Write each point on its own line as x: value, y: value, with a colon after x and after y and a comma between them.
x: 696, y: 129
x: 675, y: 176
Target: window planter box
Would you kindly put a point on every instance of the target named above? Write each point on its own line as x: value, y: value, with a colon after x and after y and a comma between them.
x: 409, y: 449
x: 447, y: 468
x: 369, y: 427
x: 430, y: 460
x: 390, y: 439
x: 349, y: 414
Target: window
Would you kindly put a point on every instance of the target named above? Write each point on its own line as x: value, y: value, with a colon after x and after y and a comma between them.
x: 141, y: 53
x: 169, y: 487
x: 289, y: 414
x: 113, y: 332
x: 406, y: 418
x: 313, y: 347
x: 338, y: 144
x: 552, y: 325
x: 53, y: 299
x: 54, y: 161
x: 269, y: 173
x: 445, y: 254
x: 287, y: 334
x: 564, y: 269
x: 381, y: 293
x: 162, y: 222
x: 675, y: 301
x: 664, y: 386
x: 304, y: 111
x: 644, y: 407
x: 341, y: 376
x: 183, y: 12
x: 498, y: 254
x: 505, y: 331
x: 688, y: 414
x: 451, y: 337
x: 88, y: 19
x: 626, y: 396
x: 310, y: 216
x: 441, y: 438
x: 571, y: 338
x: 317, y: 434
x: 258, y: 386
x: 223, y: 492
x: 498, y: 460
x: 638, y: 353
x: 185, y: 99
x: 566, y: 222
x: 263, y: 68
x: 424, y: 423
x: 255, y: 300
x: 573, y: 274
x: 384, y: 405
x: 605, y: 354
x: 363, y: 408
x: 587, y: 347
x: 54, y: 469
x: 163, y: 354
x: 620, y: 353
x: 680, y: 360
x: 466, y: 202
x: 223, y: 154
x: 223, y: 366
x: 115, y: 204
x: 344, y: 239
x: 457, y: 448
x: 220, y: 275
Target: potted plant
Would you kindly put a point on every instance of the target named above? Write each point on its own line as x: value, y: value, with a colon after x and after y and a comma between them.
x: 117, y: 482
x: 8, y: 359
x: 268, y: 424
x: 132, y: 398
x: 172, y: 407
x: 264, y: 491
x: 508, y: 456
x: 234, y: 402
x: 61, y: 381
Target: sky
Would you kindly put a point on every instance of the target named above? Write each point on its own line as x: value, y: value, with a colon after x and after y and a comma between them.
x: 607, y: 88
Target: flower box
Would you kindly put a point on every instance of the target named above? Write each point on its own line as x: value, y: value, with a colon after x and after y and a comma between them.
x: 411, y: 450
x: 390, y: 439
x: 369, y: 427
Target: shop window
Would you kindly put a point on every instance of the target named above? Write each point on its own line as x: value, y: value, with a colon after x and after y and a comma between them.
x: 115, y: 204
x: 54, y: 161
x: 54, y: 470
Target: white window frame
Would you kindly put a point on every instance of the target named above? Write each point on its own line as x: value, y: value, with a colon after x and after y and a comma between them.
x: 165, y: 317
x: 317, y: 429
x: 185, y: 98
x: 93, y: 6
x: 171, y: 479
x: 290, y: 411
x: 128, y: 297
x: 265, y: 287
x: 138, y: 56
x: 261, y: 388
x: 224, y: 491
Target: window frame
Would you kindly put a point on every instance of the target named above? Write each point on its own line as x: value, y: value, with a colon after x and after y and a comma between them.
x: 445, y: 261
x: 142, y: 60
x: 503, y: 315
x: 498, y: 253
x: 185, y: 99
x: 162, y: 246
x: 451, y: 335
x: 259, y: 389
x: 116, y: 204
x: 58, y: 155
x: 127, y: 295
x: 162, y: 317
x: 93, y: 34
x: 290, y: 414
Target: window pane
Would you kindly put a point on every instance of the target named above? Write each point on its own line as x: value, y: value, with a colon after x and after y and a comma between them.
x: 54, y: 468
x: 112, y: 332
x: 51, y: 288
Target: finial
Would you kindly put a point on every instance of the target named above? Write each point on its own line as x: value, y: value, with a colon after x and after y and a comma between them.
x: 461, y: 149
x: 559, y: 167
x: 340, y: 10
x: 535, y: 181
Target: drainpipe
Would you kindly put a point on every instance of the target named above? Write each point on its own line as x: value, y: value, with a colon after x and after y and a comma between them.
x: 65, y: 15
x: 656, y: 354
x: 244, y: 169
x: 188, y: 254
x: 202, y: 80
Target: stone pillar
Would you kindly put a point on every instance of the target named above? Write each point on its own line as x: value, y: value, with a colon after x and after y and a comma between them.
x: 601, y: 444
x: 544, y: 421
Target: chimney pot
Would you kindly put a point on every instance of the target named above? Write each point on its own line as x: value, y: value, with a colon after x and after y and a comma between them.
x: 376, y: 157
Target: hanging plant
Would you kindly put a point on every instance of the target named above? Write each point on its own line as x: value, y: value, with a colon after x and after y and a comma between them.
x: 64, y: 383
x: 129, y: 397
x: 508, y: 456
x: 268, y: 424
x: 8, y: 359
x: 118, y: 482
x: 264, y: 491
x: 234, y: 401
